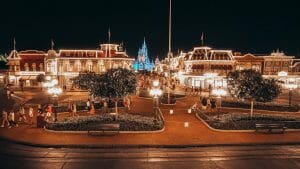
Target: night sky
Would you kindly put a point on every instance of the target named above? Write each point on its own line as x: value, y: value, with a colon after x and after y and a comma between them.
x: 255, y: 26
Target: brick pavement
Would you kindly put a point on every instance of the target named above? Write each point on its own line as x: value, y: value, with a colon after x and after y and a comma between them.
x: 174, y: 134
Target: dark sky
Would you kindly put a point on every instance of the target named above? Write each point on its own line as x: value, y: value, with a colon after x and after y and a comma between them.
x: 255, y: 26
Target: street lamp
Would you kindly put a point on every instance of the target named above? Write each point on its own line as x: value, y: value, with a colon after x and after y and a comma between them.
x: 155, y: 92
x: 219, y: 93
x: 210, y: 79
x: 55, y: 91
x: 291, y: 87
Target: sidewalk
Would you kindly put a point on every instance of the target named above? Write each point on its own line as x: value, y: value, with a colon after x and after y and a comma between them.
x: 174, y: 135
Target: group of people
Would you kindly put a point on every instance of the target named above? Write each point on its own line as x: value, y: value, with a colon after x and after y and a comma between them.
x: 9, y: 118
x: 207, y: 104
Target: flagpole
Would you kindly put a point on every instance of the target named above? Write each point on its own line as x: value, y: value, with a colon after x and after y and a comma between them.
x: 170, y: 51
x: 14, y: 43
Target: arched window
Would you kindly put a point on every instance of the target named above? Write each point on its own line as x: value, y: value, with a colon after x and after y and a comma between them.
x: 33, y: 67
x: 26, y: 67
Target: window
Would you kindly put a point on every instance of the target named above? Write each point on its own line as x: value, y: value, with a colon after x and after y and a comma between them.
x: 41, y: 67
x: 79, y: 67
x: 33, y: 67
x: 90, y: 67
x: 26, y: 67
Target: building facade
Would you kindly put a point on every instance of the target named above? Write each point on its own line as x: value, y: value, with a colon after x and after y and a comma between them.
x: 64, y: 64
x: 206, y: 67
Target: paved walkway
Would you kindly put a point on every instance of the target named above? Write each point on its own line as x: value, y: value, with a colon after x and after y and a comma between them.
x: 175, y: 134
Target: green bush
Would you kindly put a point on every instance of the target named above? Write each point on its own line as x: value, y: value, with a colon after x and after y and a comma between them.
x: 127, y: 122
x: 262, y: 106
x: 230, y: 121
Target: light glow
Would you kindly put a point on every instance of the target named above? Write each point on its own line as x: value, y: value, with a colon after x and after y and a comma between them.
x: 219, y: 92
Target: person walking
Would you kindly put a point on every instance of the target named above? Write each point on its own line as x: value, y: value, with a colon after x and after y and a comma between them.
x: 74, y: 109
x: 30, y: 114
x: 48, y: 113
x: 92, y: 111
x: 4, y: 119
x: 11, y: 120
x: 105, y: 107
x: 88, y: 105
x: 22, y: 115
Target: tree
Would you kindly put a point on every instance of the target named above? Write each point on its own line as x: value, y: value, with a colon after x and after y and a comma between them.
x: 114, y: 84
x: 40, y: 78
x: 249, y: 84
x: 268, y: 91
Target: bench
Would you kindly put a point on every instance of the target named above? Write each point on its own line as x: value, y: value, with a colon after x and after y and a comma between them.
x: 105, y: 130
x: 270, y: 127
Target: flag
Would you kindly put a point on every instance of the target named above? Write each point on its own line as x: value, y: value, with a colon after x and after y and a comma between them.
x: 14, y: 43
x: 52, y: 44
x: 202, y: 37
x: 109, y: 34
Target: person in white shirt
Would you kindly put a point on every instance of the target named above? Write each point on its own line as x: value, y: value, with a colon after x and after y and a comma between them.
x: 11, y: 119
x: 30, y: 114
x: 4, y: 119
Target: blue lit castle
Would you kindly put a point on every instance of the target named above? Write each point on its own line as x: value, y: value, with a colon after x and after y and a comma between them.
x: 143, y: 62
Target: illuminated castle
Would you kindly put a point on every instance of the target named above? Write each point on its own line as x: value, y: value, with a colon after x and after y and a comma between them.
x: 143, y: 62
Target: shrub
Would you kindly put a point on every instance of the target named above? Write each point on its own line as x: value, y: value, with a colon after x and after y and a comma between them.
x: 230, y: 121
x: 262, y: 106
x: 127, y: 122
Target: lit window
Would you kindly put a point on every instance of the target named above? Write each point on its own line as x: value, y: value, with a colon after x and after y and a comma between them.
x: 33, y: 67
x: 26, y: 67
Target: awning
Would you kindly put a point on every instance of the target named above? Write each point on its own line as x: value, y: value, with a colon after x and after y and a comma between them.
x: 24, y: 77
x: 32, y: 77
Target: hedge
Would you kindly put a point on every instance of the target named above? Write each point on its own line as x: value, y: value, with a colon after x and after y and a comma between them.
x: 127, y: 122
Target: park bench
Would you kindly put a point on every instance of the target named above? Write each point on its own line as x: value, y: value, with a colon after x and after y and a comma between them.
x: 270, y: 127
x: 105, y: 130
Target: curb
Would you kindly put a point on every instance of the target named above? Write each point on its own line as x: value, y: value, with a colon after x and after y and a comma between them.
x: 110, y: 146
x: 233, y: 131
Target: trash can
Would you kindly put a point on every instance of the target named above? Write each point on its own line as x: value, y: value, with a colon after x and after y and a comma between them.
x: 40, y: 121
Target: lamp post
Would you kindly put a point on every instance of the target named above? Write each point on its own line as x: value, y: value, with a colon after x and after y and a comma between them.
x: 55, y: 91
x: 219, y: 93
x: 210, y: 78
x: 290, y: 87
x: 155, y: 92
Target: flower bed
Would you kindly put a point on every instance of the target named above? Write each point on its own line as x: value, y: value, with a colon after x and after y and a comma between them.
x: 127, y: 122
x: 230, y: 121
x: 261, y: 106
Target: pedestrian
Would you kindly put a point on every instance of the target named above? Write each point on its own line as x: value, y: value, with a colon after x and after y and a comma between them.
x: 194, y: 107
x: 22, y: 115
x: 48, y: 113
x: 208, y: 104
x: 74, y: 109
x: 11, y: 120
x: 88, y: 105
x: 4, y: 119
x: 213, y: 104
x: 105, y: 107
x: 30, y: 114
x: 8, y: 94
x: 128, y: 103
x: 92, y: 111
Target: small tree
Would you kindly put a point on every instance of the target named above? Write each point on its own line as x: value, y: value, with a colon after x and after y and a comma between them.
x: 268, y: 91
x: 40, y: 79
x: 249, y: 84
x: 114, y: 84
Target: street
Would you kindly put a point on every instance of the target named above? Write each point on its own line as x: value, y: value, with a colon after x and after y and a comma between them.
x: 14, y: 156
